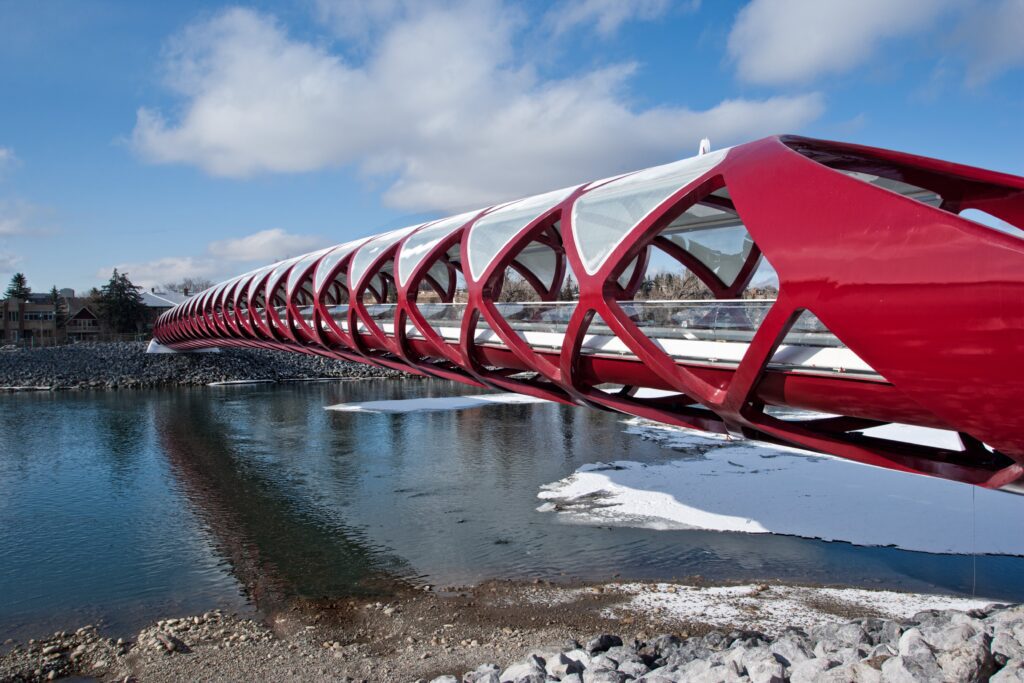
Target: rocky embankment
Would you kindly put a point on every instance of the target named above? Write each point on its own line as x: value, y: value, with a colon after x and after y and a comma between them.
x: 946, y: 645
x: 403, y: 643
x: 126, y: 364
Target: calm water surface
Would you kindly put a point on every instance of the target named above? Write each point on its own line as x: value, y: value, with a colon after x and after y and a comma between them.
x: 130, y: 506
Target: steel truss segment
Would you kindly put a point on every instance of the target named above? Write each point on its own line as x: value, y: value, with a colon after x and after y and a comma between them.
x: 868, y: 241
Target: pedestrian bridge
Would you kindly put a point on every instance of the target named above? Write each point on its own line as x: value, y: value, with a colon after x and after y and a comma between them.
x: 708, y: 333
x: 819, y: 290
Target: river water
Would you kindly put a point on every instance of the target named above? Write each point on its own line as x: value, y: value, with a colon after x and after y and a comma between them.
x: 124, y: 507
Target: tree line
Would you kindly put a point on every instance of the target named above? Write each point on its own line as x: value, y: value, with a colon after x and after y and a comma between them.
x: 664, y: 286
x: 118, y: 302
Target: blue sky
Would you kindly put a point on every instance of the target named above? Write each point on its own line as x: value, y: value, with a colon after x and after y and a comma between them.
x: 202, y: 139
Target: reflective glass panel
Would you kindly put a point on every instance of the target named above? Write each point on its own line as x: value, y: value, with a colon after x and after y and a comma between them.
x: 369, y: 252
x: 422, y: 241
x: 540, y: 260
x: 491, y: 233
x: 722, y: 250
x: 328, y: 262
x: 602, y: 218
x: 277, y: 273
x: 254, y: 289
x: 301, y: 266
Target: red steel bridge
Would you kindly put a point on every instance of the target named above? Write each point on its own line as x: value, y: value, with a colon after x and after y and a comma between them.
x: 892, y: 304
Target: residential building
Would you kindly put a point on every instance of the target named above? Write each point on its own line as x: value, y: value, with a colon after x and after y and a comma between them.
x: 83, y: 323
x: 157, y: 302
x: 33, y: 319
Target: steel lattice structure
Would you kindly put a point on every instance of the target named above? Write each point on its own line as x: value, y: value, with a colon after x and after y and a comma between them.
x: 891, y: 307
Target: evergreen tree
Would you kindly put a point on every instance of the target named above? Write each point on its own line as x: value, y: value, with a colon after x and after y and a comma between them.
x: 121, y: 304
x: 570, y: 291
x: 59, y: 314
x: 18, y: 289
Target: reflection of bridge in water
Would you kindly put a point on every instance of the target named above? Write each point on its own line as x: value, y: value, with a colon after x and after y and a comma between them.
x: 890, y: 306
x: 277, y: 547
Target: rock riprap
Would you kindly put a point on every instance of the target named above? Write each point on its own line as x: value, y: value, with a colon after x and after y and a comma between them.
x: 126, y: 364
x: 937, y: 645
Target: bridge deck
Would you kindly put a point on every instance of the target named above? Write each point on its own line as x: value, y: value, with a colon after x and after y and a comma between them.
x: 712, y: 333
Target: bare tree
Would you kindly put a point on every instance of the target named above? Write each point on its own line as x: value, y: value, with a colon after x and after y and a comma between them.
x: 516, y: 288
x: 191, y: 284
x: 673, y: 287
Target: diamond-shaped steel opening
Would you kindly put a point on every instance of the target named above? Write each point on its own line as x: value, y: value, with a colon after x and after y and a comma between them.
x: 990, y: 221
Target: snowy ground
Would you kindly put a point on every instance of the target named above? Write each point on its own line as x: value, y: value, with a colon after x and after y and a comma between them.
x: 770, y: 609
x: 744, y: 486
x: 412, y: 405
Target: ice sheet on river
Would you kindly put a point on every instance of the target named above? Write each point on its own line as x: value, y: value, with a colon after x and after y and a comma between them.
x: 745, y: 486
x: 412, y: 405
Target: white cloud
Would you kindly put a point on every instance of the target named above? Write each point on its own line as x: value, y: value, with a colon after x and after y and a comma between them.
x: 442, y: 108
x: 169, y: 269
x: 7, y: 158
x: 777, y: 42
x: 991, y: 33
x: 266, y: 245
x: 19, y: 217
x: 357, y: 20
x: 605, y: 15
x: 220, y: 260
x: 8, y: 262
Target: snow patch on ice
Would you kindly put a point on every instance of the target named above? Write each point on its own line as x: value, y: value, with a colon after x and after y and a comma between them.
x: 745, y: 486
x: 413, y: 405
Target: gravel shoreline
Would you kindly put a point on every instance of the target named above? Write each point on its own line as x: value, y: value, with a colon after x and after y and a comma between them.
x: 127, y: 365
x: 539, y: 633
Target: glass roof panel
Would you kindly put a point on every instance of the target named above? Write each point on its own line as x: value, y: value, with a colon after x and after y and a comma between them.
x: 491, y: 233
x: 723, y: 250
x: 602, y: 218
x: 369, y: 252
x: 328, y: 262
x: 256, y: 278
x: 278, y: 273
x: 304, y: 263
x: 541, y: 262
x: 421, y: 242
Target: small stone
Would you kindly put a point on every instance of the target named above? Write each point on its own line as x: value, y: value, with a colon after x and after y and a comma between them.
x: 792, y: 648
x: 1013, y: 672
x: 561, y: 666
x: 915, y: 668
x: 523, y: 670
x: 1006, y: 647
x: 603, y: 642
x: 810, y: 670
x: 604, y: 676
